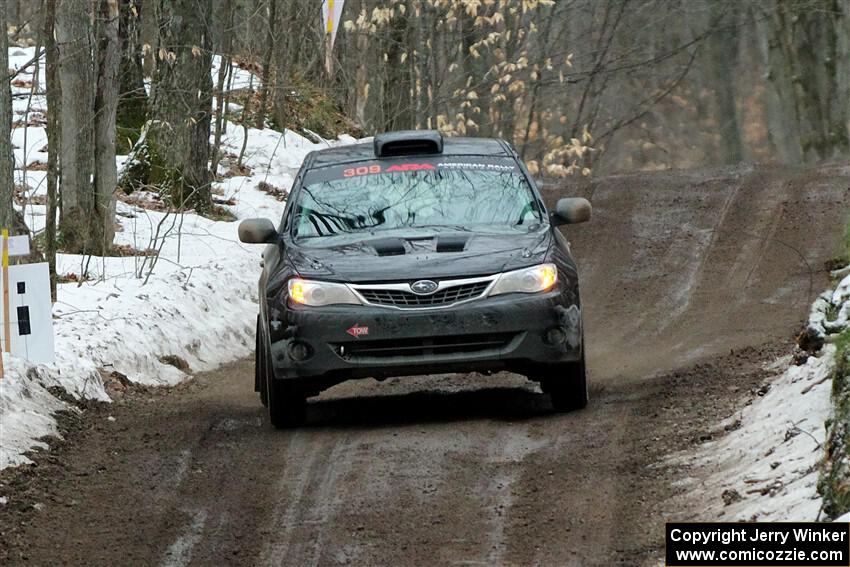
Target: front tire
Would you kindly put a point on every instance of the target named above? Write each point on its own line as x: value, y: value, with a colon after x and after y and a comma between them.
x: 261, y: 366
x: 286, y: 401
x: 287, y: 404
x: 566, y: 385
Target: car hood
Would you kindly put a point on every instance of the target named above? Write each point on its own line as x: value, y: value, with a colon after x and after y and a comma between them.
x: 401, y: 259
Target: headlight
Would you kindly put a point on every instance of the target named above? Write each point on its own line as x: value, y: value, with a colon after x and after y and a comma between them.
x: 317, y: 294
x: 528, y: 280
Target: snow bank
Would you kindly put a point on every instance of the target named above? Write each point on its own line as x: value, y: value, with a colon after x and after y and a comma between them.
x: 829, y: 315
x: 766, y: 469
x: 199, y: 303
x: 768, y: 466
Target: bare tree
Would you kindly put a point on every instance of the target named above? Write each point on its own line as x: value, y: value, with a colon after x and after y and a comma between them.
x: 573, y: 84
x: 7, y: 160
x: 132, y: 100
x: 805, y: 40
x: 225, y: 68
x: 76, y: 74
x: 105, y: 108
x: 644, y: 81
x: 182, y: 99
x: 53, y: 137
x: 88, y: 71
x: 265, y: 82
x: 721, y: 70
x: 298, y: 53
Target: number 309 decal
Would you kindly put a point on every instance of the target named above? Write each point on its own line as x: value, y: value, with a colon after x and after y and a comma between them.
x: 372, y: 169
x: 364, y: 170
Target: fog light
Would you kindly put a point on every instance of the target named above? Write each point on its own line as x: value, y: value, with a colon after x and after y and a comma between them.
x: 555, y: 336
x: 299, y: 351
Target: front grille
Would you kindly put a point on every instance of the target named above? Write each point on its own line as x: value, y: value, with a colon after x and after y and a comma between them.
x: 408, y: 299
x: 420, y: 347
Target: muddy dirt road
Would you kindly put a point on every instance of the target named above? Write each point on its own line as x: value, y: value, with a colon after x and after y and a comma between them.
x: 690, y: 281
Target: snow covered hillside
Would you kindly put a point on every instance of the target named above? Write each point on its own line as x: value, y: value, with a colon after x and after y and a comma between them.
x: 198, y: 304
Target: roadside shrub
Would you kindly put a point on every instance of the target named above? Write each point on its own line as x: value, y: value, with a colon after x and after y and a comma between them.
x: 834, y: 481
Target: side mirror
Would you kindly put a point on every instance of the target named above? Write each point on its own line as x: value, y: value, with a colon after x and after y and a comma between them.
x: 571, y: 210
x: 257, y: 231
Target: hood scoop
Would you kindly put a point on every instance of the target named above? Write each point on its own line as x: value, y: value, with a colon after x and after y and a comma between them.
x: 388, y: 246
x: 452, y: 242
x: 399, y: 246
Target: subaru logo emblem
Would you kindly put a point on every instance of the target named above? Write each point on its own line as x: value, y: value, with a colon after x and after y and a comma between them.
x: 424, y: 287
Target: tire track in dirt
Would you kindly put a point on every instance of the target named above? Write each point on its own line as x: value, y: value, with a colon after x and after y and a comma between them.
x: 650, y: 230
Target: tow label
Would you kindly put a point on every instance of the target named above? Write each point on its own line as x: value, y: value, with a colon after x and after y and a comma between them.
x: 357, y: 331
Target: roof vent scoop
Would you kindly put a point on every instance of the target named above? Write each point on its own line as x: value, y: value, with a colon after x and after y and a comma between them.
x: 408, y: 143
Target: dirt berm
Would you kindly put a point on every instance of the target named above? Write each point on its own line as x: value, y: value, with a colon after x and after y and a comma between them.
x: 691, y: 279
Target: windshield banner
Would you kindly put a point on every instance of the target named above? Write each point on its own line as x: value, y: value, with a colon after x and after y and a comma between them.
x: 411, y: 164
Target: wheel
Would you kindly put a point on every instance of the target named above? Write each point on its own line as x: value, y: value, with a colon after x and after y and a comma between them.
x: 287, y: 403
x: 566, y: 385
x: 261, y: 367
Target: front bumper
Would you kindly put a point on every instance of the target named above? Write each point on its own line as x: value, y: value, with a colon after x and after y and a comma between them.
x: 515, y: 332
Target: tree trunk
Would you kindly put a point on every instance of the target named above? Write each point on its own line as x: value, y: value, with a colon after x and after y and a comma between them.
x: 132, y: 99
x: 73, y: 36
x: 361, y: 91
x: 267, y: 66
x: 182, y: 97
x: 7, y: 160
x: 842, y: 59
x: 804, y: 45
x: 782, y: 130
x: 535, y: 88
x: 398, y: 114
x: 225, y: 68
x: 149, y: 36
x: 842, y: 31
x: 836, y: 37
x: 419, y: 55
x: 723, y: 48
x: 281, y: 68
x: 474, y: 68
x: 105, y: 107
x: 53, y: 139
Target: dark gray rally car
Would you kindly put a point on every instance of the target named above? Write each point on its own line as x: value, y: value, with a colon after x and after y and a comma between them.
x: 410, y: 255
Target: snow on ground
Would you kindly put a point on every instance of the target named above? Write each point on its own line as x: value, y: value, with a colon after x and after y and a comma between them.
x: 240, y: 78
x: 766, y: 468
x: 199, y: 303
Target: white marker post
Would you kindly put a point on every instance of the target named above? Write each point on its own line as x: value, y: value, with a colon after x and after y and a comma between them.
x: 31, y: 313
x: 29, y: 280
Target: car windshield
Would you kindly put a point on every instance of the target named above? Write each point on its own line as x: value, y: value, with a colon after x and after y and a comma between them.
x: 416, y: 201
